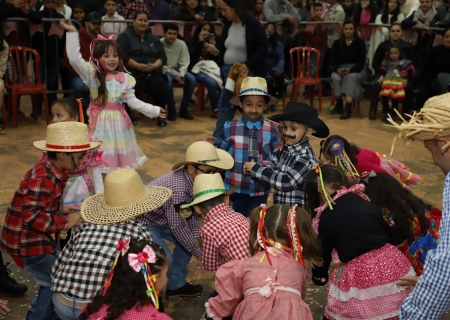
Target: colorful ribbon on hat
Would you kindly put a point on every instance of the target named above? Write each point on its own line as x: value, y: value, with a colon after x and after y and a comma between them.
x: 140, y: 262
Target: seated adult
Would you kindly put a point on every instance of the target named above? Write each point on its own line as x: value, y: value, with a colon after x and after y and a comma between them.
x: 191, y: 10
x: 243, y: 40
x: 83, y: 265
x: 179, y: 227
x: 159, y: 9
x: 92, y: 28
x: 348, y: 59
x: 176, y: 70
x: 435, y: 78
x: 144, y: 56
x: 395, y: 38
x: 205, y: 61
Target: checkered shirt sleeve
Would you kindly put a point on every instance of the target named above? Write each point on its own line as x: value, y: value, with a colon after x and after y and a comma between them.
x: 431, y: 296
x: 287, y: 172
x: 86, y: 260
x: 225, y: 237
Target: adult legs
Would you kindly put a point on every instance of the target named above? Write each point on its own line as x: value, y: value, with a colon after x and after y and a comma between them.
x: 336, y: 81
x: 79, y: 89
x: 352, y: 88
x: 154, y: 87
x: 374, y: 97
x: 49, y: 72
x: 226, y: 112
x: 212, y: 87
x: 39, y: 268
x: 188, y: 90
x: 170, y: 95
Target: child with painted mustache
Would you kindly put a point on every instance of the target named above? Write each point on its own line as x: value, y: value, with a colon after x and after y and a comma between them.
x: 288, y: 169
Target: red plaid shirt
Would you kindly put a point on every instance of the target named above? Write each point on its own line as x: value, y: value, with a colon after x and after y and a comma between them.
x: 225, y: 237
x: 32, y: 215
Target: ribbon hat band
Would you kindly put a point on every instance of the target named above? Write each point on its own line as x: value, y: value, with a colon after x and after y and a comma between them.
x: 208, y: 192
x: 78, y: 147
x: 243, y: 92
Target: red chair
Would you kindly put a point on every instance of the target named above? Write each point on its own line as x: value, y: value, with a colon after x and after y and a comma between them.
x: 20, y: 83
x: 301, y: 60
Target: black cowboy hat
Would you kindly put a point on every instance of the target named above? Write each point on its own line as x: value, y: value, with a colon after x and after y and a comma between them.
x: 305, y: 114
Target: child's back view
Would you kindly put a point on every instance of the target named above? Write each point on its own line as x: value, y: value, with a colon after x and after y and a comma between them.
x: 272, y: 283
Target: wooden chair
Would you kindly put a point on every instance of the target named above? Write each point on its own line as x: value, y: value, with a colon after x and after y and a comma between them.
x: 20, y: 84
x: 301, y: 61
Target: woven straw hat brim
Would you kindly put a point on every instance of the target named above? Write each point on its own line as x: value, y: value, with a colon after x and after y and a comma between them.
x: 95, y: 210
x: 235, y: 101
x: 207, y: 197
x: 423, y: 135
x: 41, y: 144
x: 225, y: 161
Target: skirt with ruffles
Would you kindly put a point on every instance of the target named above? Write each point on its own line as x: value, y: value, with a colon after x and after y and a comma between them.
x: 398, y: 170
x: 365, y: 287
x: 392, y: 87
x: 119, y: 146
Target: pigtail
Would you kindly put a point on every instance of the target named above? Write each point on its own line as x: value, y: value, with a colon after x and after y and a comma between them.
x: 102, y: 96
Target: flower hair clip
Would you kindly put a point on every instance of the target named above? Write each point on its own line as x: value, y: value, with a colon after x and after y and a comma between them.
x: 141, y: 263
x: 294, y: 237
x: 122, y: 248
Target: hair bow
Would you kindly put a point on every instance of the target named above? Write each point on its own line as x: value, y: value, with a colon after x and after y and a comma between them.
x: 123, y: 246
x: 94, y: 61
x: 119, y: 76
x: 137, y: 261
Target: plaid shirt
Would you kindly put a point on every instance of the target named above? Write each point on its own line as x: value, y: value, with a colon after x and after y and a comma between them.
x: 184, y: 231
x: 224, y: 236
x: 31, y: 217
x: 84, y: 263
x: 235, y: 140
x: 287, y: 172
x: 431, y: 296
x: 128, y: 12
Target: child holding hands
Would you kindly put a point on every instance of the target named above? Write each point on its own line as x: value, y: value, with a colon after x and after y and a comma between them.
x: 110, y: 88
x: 290, y: 165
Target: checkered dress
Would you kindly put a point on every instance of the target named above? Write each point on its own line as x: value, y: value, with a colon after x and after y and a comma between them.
x: 431, y: 296
x: 86, y: 260
x: 224, y: 236
x: 287, y: 172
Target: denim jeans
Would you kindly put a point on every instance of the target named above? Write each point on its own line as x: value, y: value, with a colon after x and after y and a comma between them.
x: 212, y: 87
x: 188, y: 91
x: 313, y: 62
x: 178, y: 259
x: 39, y: 268
x: 79, y: 90
x: 51, y: 72
x: 244, y: 204
x: 65, y: 312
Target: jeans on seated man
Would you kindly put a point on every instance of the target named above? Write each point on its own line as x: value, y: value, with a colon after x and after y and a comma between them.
x: 176, y: 69
x: 80, y: 90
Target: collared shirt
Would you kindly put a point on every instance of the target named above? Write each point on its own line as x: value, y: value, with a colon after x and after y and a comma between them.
x: 287, y: 172
x: 235, y: 140
x: 187, y: 230
x: 431, y: 296
x: 159, y: 11
x: 31, y: 217
x: 83, y: 265
x: 114, y: 27
x: 224, y: 236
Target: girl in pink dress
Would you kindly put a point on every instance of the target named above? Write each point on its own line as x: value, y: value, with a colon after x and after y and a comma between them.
x: 131, y: 291
x: 272, y: 283
x: 359, y: 162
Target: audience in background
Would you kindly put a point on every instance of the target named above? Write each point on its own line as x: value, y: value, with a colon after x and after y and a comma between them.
x: 112, y: 27
x: 133, y: 6
x: 159, y: 9
x: 277, y: 80
x: 301, y: 10
x: 79, y: 14
x: 257, y: 11
x: 349, y: 8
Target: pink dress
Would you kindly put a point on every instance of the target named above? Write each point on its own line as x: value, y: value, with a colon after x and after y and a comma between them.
x: 147, y: 312
x: 256, y: 290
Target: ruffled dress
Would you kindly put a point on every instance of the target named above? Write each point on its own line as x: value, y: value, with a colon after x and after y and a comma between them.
x: 147, y: 312
x: 393, y: 86
x: 256, y: 290
x: 111, y: 123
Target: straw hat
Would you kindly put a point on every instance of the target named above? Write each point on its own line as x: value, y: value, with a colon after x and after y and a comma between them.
x: 125, y: 198
x: 253, y: 86
x: 206, y: 187
x: 431, y: 122
x: 204, y: 153
x: 66, y: 137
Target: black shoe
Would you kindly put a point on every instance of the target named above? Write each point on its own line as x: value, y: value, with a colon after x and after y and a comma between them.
x: 8, y: 285
x: 186, y: 115
x: 161, y: 122
x: 347, y: 111
x: 188, y: 290
x: 384, y: 118
x: 172, y: 116
x: 339, y: 106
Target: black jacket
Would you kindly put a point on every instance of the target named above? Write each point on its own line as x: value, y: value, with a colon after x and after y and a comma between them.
x: 437, y: 62
x: 354, y: 53
x: 257, y: 45
x: 145, y: 49
x: 383, y: 48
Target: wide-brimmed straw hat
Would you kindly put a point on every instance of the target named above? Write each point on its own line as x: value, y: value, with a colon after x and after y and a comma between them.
x: 66, y: 137
x: 204, y: 153
x: 125, y: 198
x: 206, y: 187
x: 305, y: 114
x: 253, y: 86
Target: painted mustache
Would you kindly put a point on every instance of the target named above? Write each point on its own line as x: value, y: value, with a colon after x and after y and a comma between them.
x: 289, y: 137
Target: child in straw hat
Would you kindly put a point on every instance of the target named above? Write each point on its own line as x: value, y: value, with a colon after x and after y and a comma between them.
x: 250, y: 138
x: 224, y: 232
x: 289, y: 167
x: 84, y: 263
x: 32, y: 217
x: 174, y: 225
